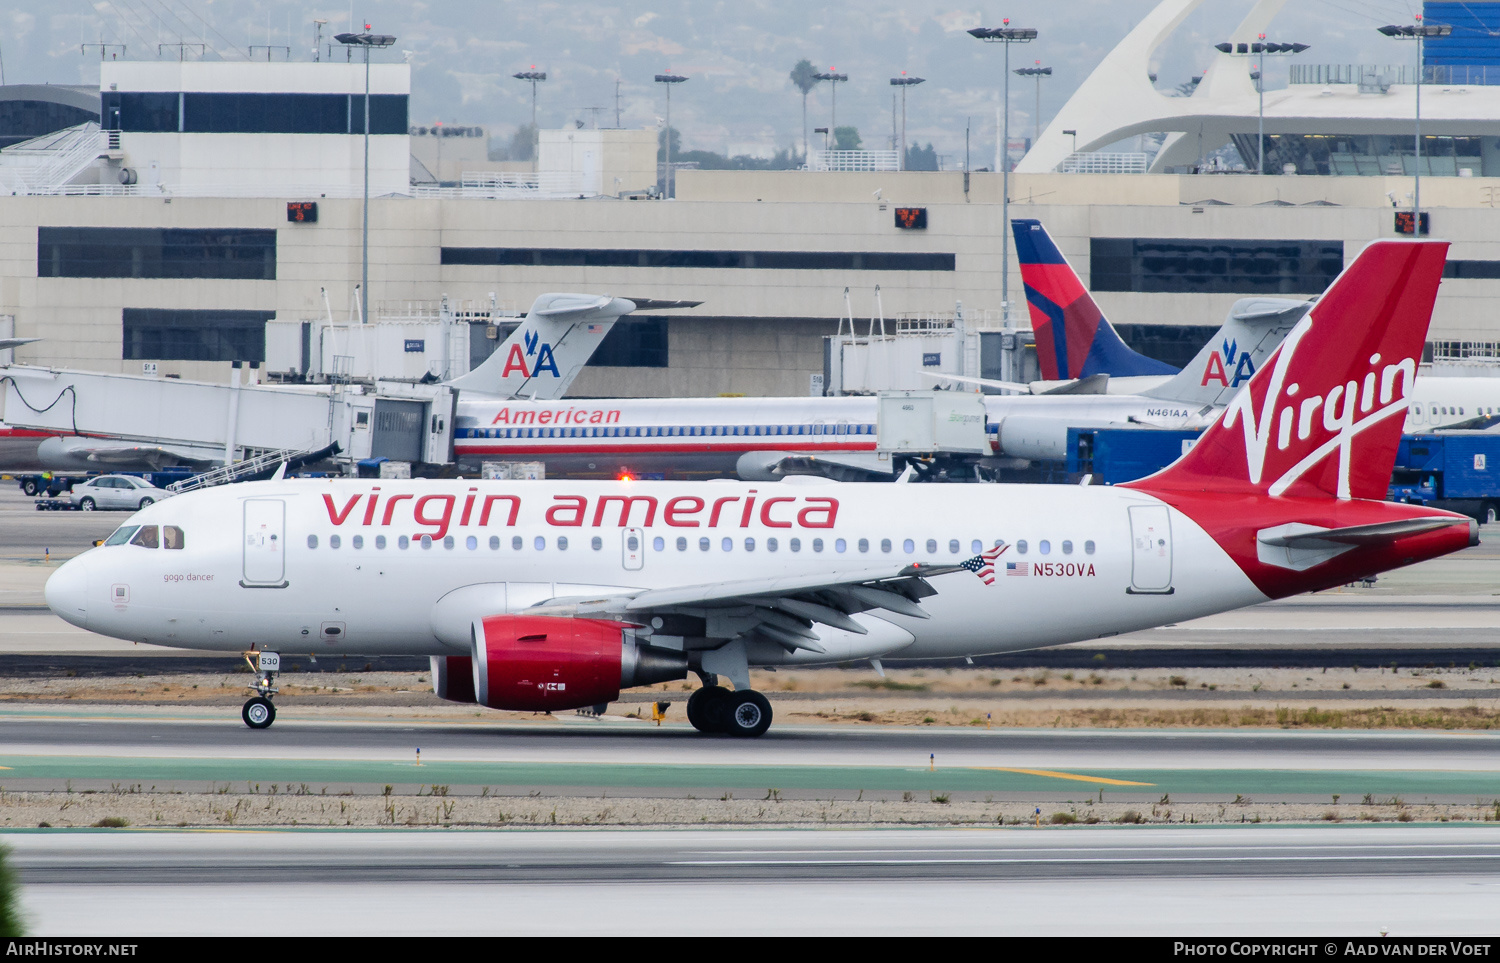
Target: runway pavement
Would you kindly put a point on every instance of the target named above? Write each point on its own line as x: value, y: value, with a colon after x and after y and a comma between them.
x: 1348, y: 881
x: 45, y: 750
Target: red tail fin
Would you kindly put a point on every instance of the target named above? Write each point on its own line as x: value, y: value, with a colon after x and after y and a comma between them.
x: 1323, y: 416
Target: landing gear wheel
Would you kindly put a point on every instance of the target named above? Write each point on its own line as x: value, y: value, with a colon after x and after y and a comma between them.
x: 1488, y: 513
x: 749, y: 714
x: 259, y: 713
x: 87, y: 505
x: 708, y: 707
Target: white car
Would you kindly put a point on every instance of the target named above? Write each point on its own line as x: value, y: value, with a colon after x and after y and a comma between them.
x: 116, y: 491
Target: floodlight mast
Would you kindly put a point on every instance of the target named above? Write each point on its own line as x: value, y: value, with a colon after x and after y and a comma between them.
x: 835, y: 78
x: 1259, y: 49
x: 1417, y: 31
x: 668, y: 80
x: 367, y: 41
x: 534, y: 77
x: 1038, y: 72
x: 904, y: 82
x: 1006, y: 35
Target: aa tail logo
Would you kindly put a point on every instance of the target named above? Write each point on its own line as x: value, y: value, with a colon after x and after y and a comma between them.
x: 1221, y: 363
x: 516, y: 362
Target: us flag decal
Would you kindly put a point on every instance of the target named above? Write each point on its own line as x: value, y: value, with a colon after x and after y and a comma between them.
x: 1018, y: 568
x: 983, y: 564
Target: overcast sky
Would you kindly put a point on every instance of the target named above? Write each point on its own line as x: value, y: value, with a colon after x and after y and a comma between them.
x: 737, y: 54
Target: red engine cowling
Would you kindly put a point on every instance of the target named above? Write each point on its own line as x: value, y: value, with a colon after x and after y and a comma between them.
x: 547, y: 664
x: 453, y: 678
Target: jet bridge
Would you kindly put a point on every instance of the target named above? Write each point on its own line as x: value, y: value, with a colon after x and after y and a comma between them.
x: 117, y: 421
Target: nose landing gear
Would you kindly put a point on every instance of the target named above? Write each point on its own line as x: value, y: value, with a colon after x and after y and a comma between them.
x: 259, y: 712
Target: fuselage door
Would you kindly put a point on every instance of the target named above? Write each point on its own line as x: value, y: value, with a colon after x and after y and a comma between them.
x: 1151, y: 550
x: 265, y: 543
x: 633, y: 547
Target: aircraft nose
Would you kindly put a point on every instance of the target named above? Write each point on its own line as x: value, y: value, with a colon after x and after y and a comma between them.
x: 67, y: 592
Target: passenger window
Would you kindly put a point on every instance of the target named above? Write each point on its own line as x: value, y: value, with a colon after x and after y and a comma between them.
x: 334, y: 541
x: 380, y: 541
x: 425, y: 541
x: 839, y: 544
x: 171, y: 537
x: 932, y: 545
x: 597, y: 544
x: 749, y: 544
x: 448, y: 541
x: 1067, y: 548
x: 795, y: 544
x: 953, y: 546
x: 1088, y: 548
x: 977, y: 546
x: 727, y: 545
x: 658, y: 543
x: 1021, y: 547
x: 402, y: 542
x: 771, y: 545
x: 312, y: 541
x: 357, y: 541
x: 681, y: 544
x: 704, y: 544
x: 864, y: 545
x: 517, y: 543
x: 147, y: 537
x: 471, y: 543
x: 495, y: 543
x: 885, y: 545
x: 1044, y: 546
x: 121, y: 535
x: 540, y: 543
x: 562, y: 543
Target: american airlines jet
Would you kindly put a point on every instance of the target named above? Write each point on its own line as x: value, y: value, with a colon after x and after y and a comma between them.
x: 551, y: 595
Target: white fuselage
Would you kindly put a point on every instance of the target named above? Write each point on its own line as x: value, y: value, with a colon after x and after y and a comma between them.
x: 314, y: 566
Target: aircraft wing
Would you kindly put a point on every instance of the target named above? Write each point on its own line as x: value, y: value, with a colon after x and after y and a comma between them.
x: 15, y: 342
x: 780, y: 609
x: 1024, y: 389
x: 127, y: 455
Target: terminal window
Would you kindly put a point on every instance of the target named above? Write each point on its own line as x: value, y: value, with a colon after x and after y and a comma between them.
x: 763, y: 260
x: 134, y: 252
x: 1228, y: 266
x: 253, y: 113
x: 633, y: 343
x: 162, y: 334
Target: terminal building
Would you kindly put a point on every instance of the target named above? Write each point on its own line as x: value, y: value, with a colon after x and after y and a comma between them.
x: 206, y: 199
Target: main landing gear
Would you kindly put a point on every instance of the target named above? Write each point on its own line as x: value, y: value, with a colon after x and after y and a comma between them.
x: 259, y: 712
x: 744, y: 713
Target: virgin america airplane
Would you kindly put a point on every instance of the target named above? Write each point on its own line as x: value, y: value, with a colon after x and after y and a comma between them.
x: 553, y: 595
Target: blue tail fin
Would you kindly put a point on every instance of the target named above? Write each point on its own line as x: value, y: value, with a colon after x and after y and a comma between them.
x: 1073, y: 338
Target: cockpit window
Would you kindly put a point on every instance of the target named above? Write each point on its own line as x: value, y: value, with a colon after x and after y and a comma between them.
x: 121, y: 535
x: 146, y: 537
x: 171, y: 537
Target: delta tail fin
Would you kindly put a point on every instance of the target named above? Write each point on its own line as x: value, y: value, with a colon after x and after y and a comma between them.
x: 1073, y: 338
x: 548, y: 348
x: 1322, y: 418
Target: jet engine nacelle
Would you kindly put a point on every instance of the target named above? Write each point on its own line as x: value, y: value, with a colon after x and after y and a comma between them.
x: 1033, y: 436
x: 545, y: 664
x: 453, y: 678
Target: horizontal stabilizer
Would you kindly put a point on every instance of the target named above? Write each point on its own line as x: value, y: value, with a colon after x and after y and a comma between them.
x: 657, y: 304
x: 1374, y: 534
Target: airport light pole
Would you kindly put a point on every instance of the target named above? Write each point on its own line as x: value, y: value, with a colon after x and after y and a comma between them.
x: 668, y: 80
x: 835, y: 78
x: 366, y: 40
x: 1260, y: 49
x: 1418, y: 31
x: 533, y: 77
x: 1006, y: 35
x: 1038, y: 72
x: 904, y: 82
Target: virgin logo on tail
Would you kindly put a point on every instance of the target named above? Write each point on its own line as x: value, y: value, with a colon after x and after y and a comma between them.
x: 1221, y: 363
x: 1346, y: 410
x: 515, y: 361
x: 1333, y: 385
